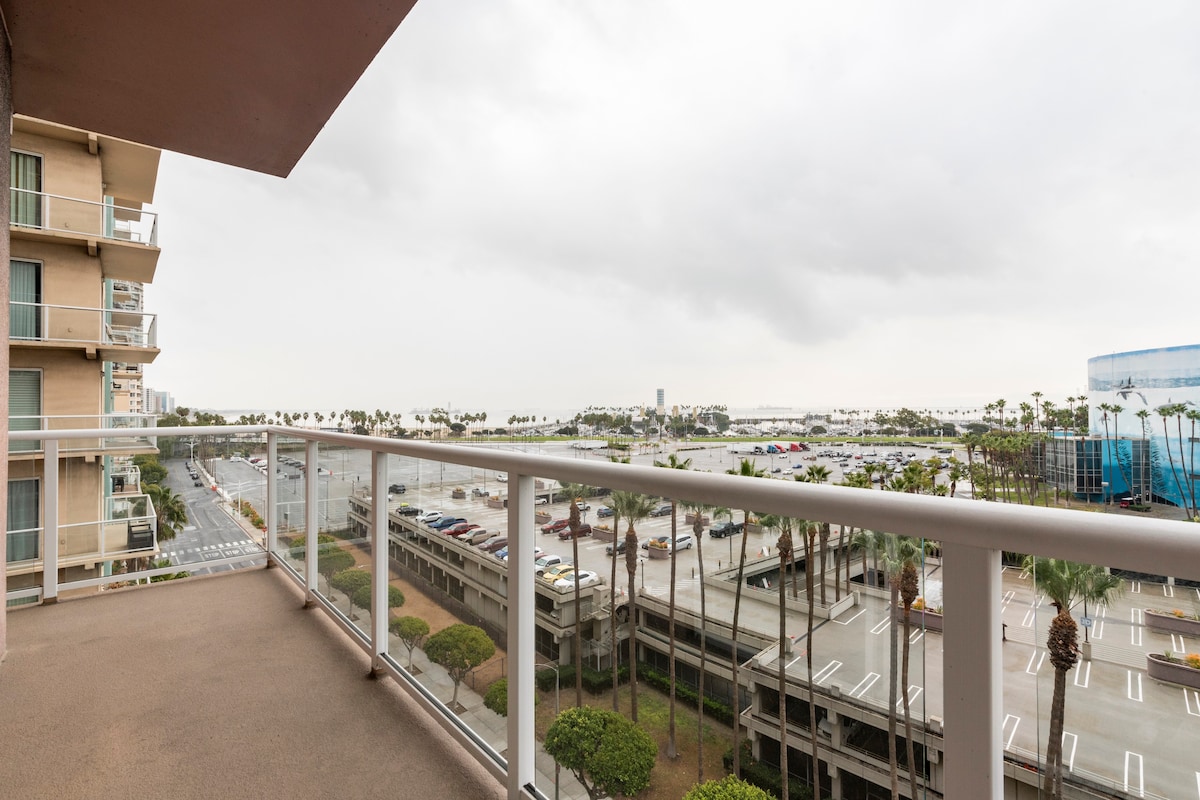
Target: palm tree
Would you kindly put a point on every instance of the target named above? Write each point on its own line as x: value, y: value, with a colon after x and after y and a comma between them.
x: 698, y: 511
x: 905, y: 583
x: 820, y: 474
x: 746, y: 469
x: 170, y: 510
x: 574, y: 491
x: 784, y: 545
x: 634, y: 508
x: 1165, y: 411
x: 673, y: 462
x: 1147, y: 487
x: 1065, y: 582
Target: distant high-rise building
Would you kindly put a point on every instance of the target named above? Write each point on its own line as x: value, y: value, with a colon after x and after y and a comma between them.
x: 661, y: 406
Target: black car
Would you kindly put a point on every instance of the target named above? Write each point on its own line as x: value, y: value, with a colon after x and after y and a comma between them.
x: 197, y: 483
x: 397, y: 488
x: 723, y: 529
x: 661, y: 511
x: 618, y: 547
x: 408, y: 511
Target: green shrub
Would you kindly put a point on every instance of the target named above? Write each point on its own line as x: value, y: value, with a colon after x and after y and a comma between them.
x: 496, y: 697
x: 685, y: 694
x: 727, y: 788
x: 594, y: 681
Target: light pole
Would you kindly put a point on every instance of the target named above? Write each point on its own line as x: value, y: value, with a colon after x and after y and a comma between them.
x: 556, y: 691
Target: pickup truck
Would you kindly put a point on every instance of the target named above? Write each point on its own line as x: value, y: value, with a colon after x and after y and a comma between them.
x: 723, y: 529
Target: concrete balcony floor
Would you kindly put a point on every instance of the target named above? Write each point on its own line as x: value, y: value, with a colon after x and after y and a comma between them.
x: 211, y: 687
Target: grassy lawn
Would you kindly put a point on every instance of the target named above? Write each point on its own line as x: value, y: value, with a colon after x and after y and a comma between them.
x: 670, y: 779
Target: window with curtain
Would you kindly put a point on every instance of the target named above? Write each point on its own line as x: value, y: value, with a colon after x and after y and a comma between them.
x: 22, y: 538
x: 25, y: 195
x: 25, y: 296
x: 24, y: 406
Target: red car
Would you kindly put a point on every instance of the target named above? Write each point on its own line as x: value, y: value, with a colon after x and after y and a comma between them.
x: 460, y: 528
x: 556, y: 526
x: 584, y: 530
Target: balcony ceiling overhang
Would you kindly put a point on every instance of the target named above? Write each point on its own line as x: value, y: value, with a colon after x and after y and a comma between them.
x: 129, y: 170
x: 244, y: 82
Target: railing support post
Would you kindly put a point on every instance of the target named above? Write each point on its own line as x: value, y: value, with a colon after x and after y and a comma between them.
x: 311, y: 527
x: 272, y: 513
x: 379, y: 561
x: 50, y: 526
x: 521, y: 742
x: 972, y: 676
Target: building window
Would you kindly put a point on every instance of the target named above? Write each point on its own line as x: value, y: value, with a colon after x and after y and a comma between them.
x: 25, y: 196
x: 24, y: 406
x: 25, y: 298
x: 23, y: 538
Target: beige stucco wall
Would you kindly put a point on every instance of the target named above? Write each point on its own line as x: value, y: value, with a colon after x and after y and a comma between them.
x: 71, y: 385
x: 70, y: 171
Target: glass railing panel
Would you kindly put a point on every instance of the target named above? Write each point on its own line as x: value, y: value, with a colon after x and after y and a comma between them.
x: 1120, y: 646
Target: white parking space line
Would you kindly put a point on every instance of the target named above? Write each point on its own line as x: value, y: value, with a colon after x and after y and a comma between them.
x: 1008, y: 597
x: 913, y: 693
x: 1030, y: 668
x: 1135, y: 587
x: 1197, y: 591
x: 1098, y: 630
x: 848, y: 621
x: 1015, y: 721
x: 1168, y: 590
x: 1133, y: 769
x: 1177, y: 643
x: 1133, y: 688
x: 916, y: 635
x: 1030, y: 616
x: 1191, y: 701
x: 865, y: 684
x: 881, y: 626
x: 1069, y: 760
x: 1083, y: 675
x: 1137, y: 617
x: 827, y: 672
x: 1198, y: 783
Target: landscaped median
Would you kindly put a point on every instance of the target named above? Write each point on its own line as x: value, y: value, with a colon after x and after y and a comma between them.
x: 1172, y: 622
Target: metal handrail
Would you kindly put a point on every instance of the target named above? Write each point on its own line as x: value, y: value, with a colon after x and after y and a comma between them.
x: 151, y: 240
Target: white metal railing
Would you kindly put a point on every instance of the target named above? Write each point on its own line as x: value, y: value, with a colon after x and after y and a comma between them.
x: 72, y: 215
x: 79, y: 325
x: 121, y: 432
x: 972, y: 534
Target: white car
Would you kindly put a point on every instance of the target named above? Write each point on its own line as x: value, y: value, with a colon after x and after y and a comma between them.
x: 502, y: 477
x: 683, y: 542
x: 430, y: 516
x: 541, y: 501
x: 585, y: 577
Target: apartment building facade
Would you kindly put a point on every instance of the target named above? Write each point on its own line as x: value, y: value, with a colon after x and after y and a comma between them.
x: 81, y: 249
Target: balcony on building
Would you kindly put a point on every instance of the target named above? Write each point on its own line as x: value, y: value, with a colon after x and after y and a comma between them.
x: 106, y: 334
x: 124, y: 435
x: 967, y: 742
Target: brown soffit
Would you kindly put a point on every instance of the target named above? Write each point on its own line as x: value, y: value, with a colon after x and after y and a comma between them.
x: 244, y: 82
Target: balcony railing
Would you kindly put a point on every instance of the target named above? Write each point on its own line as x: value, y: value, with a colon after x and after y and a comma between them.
x: 970, y: 697
x: 82, y: 327
x: 121, y: 433
x: 129, y: 529
x: 71, y: 215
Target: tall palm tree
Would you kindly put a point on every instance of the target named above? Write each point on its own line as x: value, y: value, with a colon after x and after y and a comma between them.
x: 1166, y: 411
x: 819, y: 474
x: 634, y: 508
x: 699, y: 510
x: 673, y: 462
x: 809, y: 531
x: 1065, y: 582
x: 746, y: 469
x: 905, y: 581
x: 574, y: 491
x: 784, y: 545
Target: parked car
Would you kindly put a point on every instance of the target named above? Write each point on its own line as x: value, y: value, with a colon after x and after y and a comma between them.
x: 557, y: 572
x: 496, y: 543
x: 723, y: 529
x: 397, y: 488
x: 430, y: 517
x: 477, y: 492
x: 662, y: 510
x: 684, y: 541
x: 618, y: 546
x: 477, y: 536
x: 459, y: 528
x: 584, y: 530
x: 585, y: 577
x: 446, y: 522
x: 604, y: 511
x: 541, y: 501
x: 546, y: 562
x: 584, y: 506
x: 197, y: 483
x: 555, y: 526
x: 405, y: 510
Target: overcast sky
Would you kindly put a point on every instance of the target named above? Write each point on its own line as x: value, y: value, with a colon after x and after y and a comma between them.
x: 818, y: 205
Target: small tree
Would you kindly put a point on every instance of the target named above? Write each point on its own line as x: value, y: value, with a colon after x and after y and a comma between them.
x: 412, y: 631
x: 497, y: 697
x: 728, y: 788
x: 459, y: 648
x: 350, y: 581
x: 608, y: 753
x: 332, y: 560
x: 362, y: 597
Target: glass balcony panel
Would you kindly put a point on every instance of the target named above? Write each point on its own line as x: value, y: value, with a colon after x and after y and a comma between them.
x: 70, y: 215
